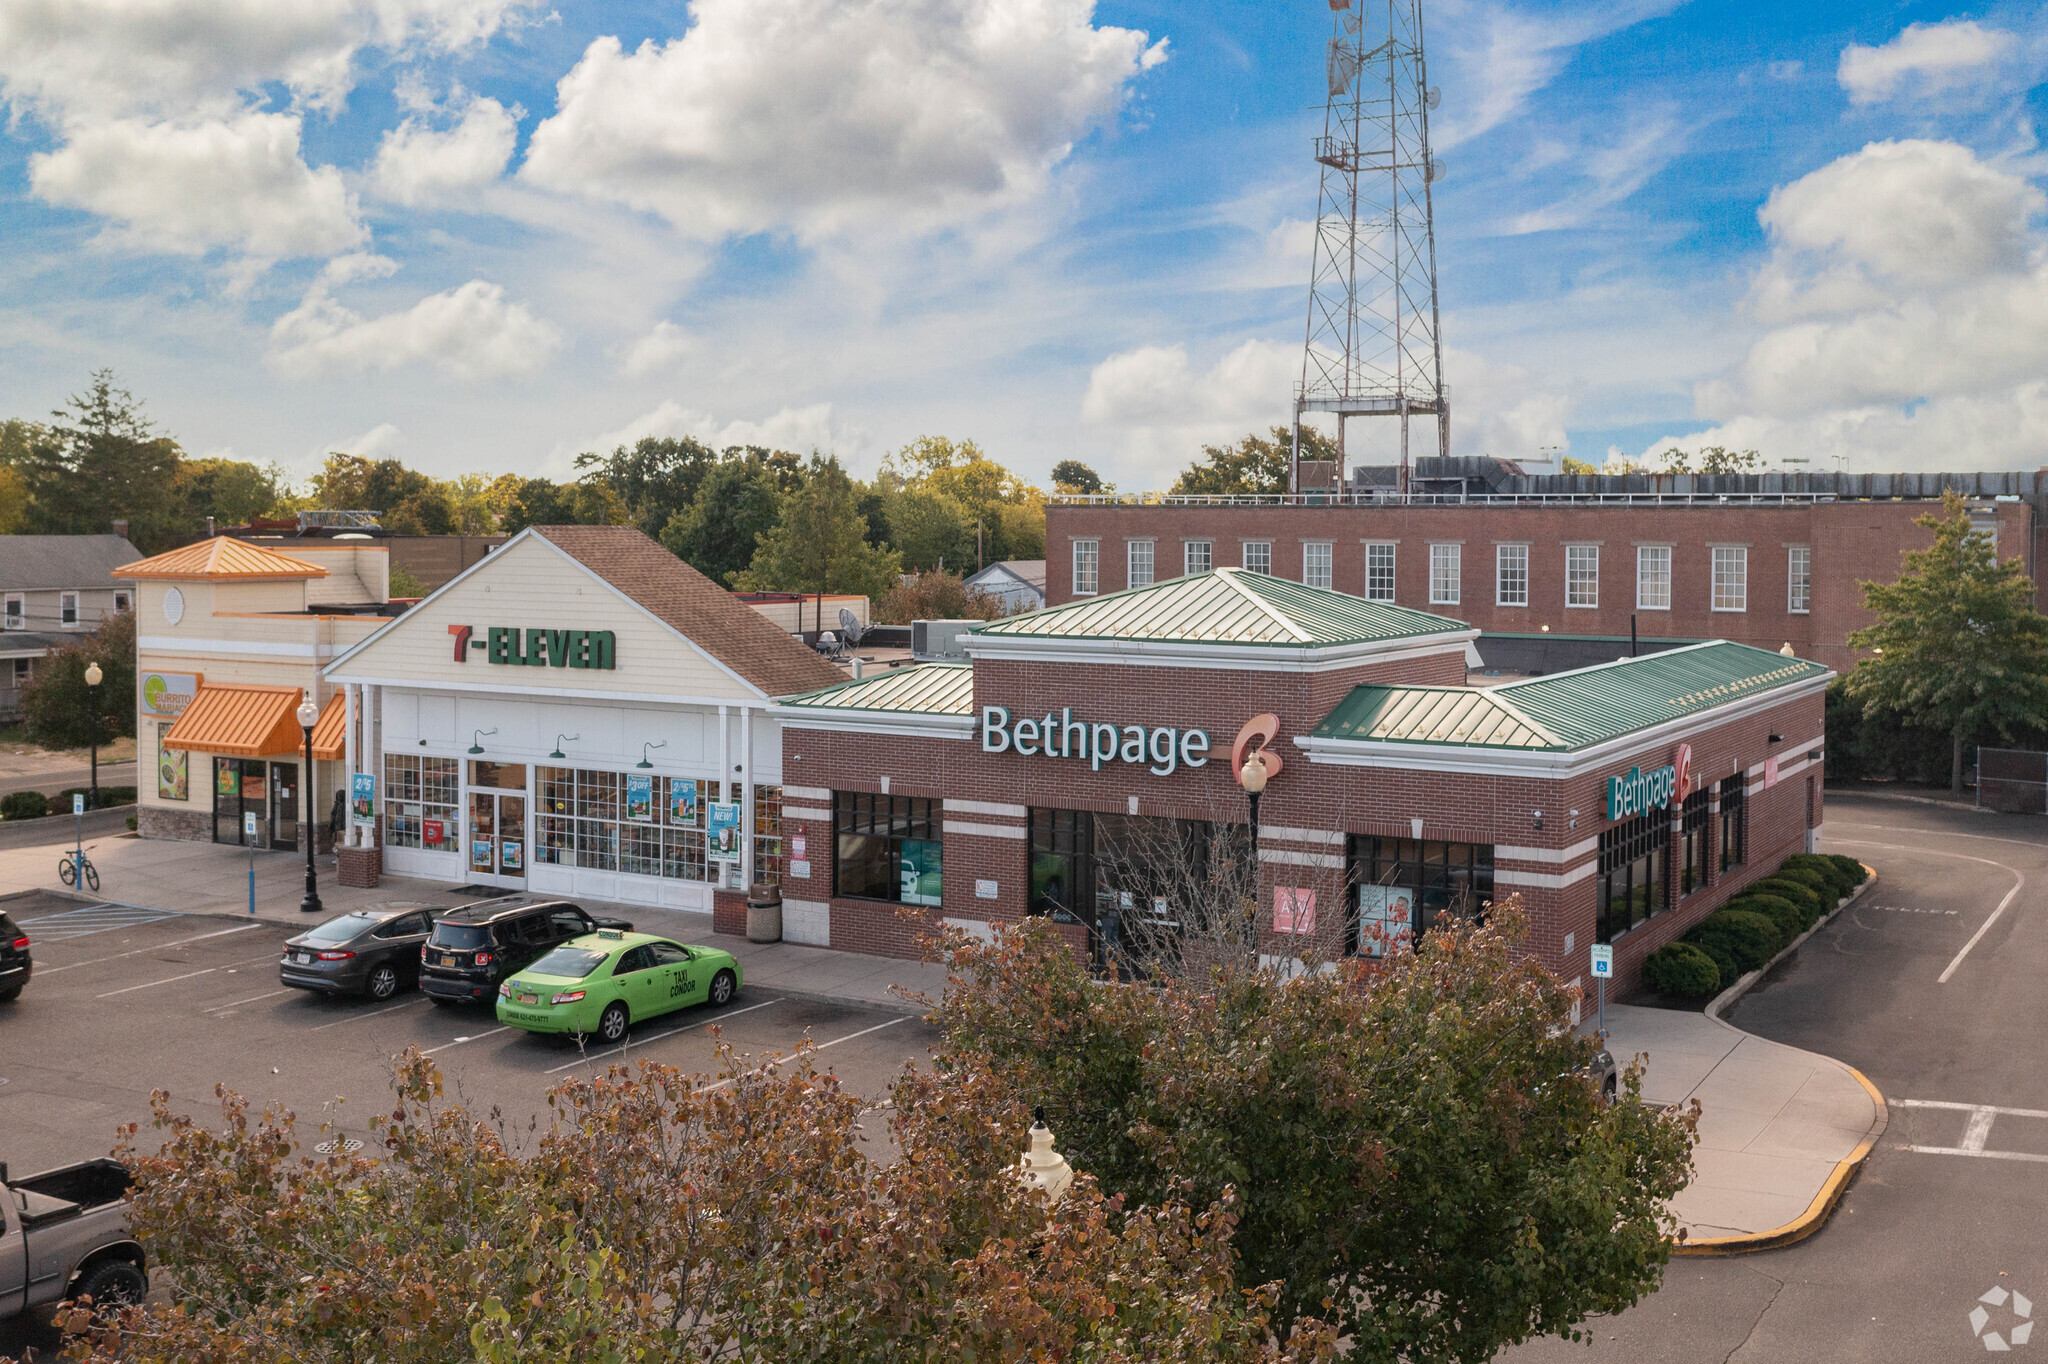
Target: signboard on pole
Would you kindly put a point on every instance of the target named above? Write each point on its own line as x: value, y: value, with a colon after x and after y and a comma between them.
x: 78, y: 803
x: 249, y: 827
x: 1603, y: 961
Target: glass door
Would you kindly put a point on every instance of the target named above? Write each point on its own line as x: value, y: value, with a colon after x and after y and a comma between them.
x: 240, y: 786
x: 284, y: 805
x: 497, y: 824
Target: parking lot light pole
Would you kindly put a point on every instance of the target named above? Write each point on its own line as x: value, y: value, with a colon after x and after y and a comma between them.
x: 309, y: 715
x: 1252, y: 776
x: 93, y: 677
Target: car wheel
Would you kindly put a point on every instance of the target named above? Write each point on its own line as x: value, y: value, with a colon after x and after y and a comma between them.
x: 383, y: 982
x: 611, y: 1025
x: 722, y: 987
x: 1608, y: 1090
x: 112, y: 1284
x: 7, y: 996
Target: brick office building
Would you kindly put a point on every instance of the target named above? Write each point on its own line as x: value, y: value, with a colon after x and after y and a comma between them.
x: 1763, y: 560
x: 1624, y: 802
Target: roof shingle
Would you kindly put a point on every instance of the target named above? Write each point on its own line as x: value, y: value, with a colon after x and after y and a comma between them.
x: 220, y: 558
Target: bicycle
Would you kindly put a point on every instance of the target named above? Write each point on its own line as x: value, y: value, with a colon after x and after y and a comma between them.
x: 75, y: 866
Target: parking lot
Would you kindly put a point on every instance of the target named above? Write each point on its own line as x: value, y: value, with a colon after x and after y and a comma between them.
x: 126, y: 1000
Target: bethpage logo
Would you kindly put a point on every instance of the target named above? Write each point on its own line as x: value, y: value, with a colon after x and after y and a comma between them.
x: 2015, y: 1309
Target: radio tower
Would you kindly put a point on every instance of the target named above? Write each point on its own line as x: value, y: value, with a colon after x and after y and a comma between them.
x: 1373, y: 349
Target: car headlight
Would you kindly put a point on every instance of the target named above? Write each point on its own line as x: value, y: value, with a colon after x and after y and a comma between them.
x: 567, y: 997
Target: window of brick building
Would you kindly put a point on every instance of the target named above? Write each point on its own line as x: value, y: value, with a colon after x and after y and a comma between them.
x: 1799, y: 579
x: 1315, y: 563
x: 1631, y: 886
x: 1379, y: 572
x: 1511, y: 575
x: 1582, y: 575
x: 1731, y: 578
x: 885, y: 847
x: 1087, y: 567
x: 1138, y: 563
x: 1197, y: 556
x: 1734, y: 822
x: 1653, y: 577
x: 1692, y: 870
x: 1258, y: 556
x: 1401, y: 885
x: 1445, y: 574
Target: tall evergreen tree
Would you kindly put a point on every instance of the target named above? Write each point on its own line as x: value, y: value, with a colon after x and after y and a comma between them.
x: 101, y: 460
x: 820, y: 544
x: 1958, y: 646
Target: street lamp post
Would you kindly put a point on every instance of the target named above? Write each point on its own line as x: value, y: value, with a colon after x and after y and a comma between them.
x: 1252, y: 776
x: 309, y: 715
x: 93, y: 677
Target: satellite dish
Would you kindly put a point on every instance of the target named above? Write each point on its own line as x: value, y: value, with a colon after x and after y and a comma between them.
x: 1437, y: 170
x: 850, y: 628
x: 1434, y: 97
x: 1343, y: 65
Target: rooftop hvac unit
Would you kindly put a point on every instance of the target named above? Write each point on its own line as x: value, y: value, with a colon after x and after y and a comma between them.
x: 931, y: 640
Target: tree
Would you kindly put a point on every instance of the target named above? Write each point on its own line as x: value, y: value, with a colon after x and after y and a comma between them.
x: 409, y: 502
x: 524, y: 502
x: 1958, y: 646
x: 232, y: 492
x: 1712, y: 459
x: 656, y: 479
x: 1577, y: 466
x: 61, y: 711
x: 1254, y: 464
x: 1009, y: 512
x: 820, y: 544
x: 101, y: 460
x: 930, y: 529
x: 1072, y: 476
x: 660, y: 1217
x: 935, y: 594
x: 717, y: 533
x: 1408, y: 1139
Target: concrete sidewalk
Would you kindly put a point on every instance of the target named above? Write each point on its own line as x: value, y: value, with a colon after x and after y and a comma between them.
x: 1781, y: 1130
x: 207, y: 878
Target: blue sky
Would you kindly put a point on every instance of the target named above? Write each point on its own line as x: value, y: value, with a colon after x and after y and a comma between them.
x: 487, y: 234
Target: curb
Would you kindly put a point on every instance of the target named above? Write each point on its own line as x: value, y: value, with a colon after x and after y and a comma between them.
x: 1845, y: 1171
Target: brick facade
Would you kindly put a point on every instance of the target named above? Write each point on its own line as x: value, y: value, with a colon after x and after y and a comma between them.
x: 1306, y: 814
x: 1850, y: 542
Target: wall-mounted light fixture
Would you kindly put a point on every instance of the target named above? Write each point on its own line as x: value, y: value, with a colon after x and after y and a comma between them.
x: 1537, y: 815
x: 1777, y: 738
x: 646, y: 748
x: 476, y: 744
x: 561, y: 739
x: 1574, y: 817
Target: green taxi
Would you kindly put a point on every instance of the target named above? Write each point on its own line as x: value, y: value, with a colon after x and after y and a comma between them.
x: 603, y: 982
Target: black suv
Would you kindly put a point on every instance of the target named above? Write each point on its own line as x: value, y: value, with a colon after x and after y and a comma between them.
x: 15, y: 965
x: 475, y: 947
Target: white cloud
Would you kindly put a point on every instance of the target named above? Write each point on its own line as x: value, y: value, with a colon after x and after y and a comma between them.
x: 1904, y: 314
x: 662, y: 348
x: 1928, y: 57
x: 375, y: 443
x: 472, y: 332
x: 1166, y: 411
x: 792, y: 114
x: 797, y: 429
x: 1496, y: 56
x: 418, y: 163
x: 1502, y: 410
x: 237, y: 182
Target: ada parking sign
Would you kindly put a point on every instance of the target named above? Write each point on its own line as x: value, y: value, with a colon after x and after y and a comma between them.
x: 1603, y: 961
x: 249, y: 825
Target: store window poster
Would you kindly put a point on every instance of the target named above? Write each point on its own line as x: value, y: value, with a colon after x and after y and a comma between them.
x: 226, y: 780
x: 362, y: 797
x: 433, y: 832
x: 511, y: 855
x: 725, y: 830
x: 173, y: 767
x: 1386, y: 917
x: 1294, y: 909
x: 480, y: 854
x: 682, y: 801
x: 639, y: 798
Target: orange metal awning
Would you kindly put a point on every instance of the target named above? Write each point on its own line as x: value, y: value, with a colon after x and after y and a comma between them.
x: 241, y: 721
x: 331, y: 731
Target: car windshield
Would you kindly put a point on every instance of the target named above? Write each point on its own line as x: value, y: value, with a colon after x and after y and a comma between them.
x: 569, y: 963
x: 465, y: 937
x: 348, y: 926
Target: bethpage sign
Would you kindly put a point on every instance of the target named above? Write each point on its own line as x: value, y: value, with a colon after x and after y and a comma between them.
x: 1639, y: 791
x: 1162, y: 749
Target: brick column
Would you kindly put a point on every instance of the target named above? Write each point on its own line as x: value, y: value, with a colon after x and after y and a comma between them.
x: 1674, y: 854
x: 1714, y: 835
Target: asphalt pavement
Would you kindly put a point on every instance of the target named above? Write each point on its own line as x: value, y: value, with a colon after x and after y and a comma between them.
x: 1935, y: 986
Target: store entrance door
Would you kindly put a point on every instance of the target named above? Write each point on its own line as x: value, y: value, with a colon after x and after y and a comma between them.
x: 497, y: 824
x: 284, y: 806
x: 240, y: 785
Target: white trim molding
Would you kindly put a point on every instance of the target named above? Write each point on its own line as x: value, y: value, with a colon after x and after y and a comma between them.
x: 986, y: 807
x: 960, y: 826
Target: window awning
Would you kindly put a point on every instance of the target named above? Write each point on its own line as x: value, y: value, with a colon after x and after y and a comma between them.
x: 242, y: 721
x: 330, y: 733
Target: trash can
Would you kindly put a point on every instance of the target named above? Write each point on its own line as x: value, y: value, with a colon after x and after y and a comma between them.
x: 764, y: 913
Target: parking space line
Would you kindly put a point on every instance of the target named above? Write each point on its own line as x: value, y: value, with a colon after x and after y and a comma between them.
x: 42, y: 971
x: 172, y: 980
x: 1976, y: 1132
x: 250, y: 1000
x: 460, y: 1040
x: 357, y: 1018
x: 673, y: 1032
x: 2019, y: 880
x: 820, y: 1047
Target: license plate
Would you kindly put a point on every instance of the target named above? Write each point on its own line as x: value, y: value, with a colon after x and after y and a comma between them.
x: 529, y: 999
x: 447, y: 958
x: 303, y: 958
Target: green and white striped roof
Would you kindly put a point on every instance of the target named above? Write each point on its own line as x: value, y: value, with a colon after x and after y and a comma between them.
x: 928, y: 689
x: 1569, y: 710
x: 1226, y: 606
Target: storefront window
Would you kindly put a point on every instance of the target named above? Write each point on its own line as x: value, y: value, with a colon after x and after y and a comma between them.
x: 1401, y: 885
x: 886, y: 847
x: 1734, y: 822
x: 1139, y: 883
x: 1631, y: 885
x: 768, y: 863
x: 585, y: 820
x: 1692, y: 871
x: 421, y: 797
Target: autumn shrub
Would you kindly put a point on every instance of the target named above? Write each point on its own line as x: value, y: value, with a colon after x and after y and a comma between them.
x: 1681, y: 968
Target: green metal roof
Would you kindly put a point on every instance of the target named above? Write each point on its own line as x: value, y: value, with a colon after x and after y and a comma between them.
x: 1568, y: 710
x: 929, y: 689
x: 1225, y: 606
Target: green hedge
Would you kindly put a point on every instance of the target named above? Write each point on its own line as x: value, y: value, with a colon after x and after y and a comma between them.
x: 1825, y: 883
x: 1813, y: 902
x: 1850, y: 867
x: 1682, y: 968
x: 23, y: 805
x: 1749, y: 939
x: 1791, y: 919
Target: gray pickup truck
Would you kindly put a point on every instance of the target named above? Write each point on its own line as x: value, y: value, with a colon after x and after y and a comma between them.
x: 64, y: 1234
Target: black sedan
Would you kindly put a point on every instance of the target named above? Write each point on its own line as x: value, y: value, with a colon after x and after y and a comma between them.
x: 15, y: 963
x: 373, y: 952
